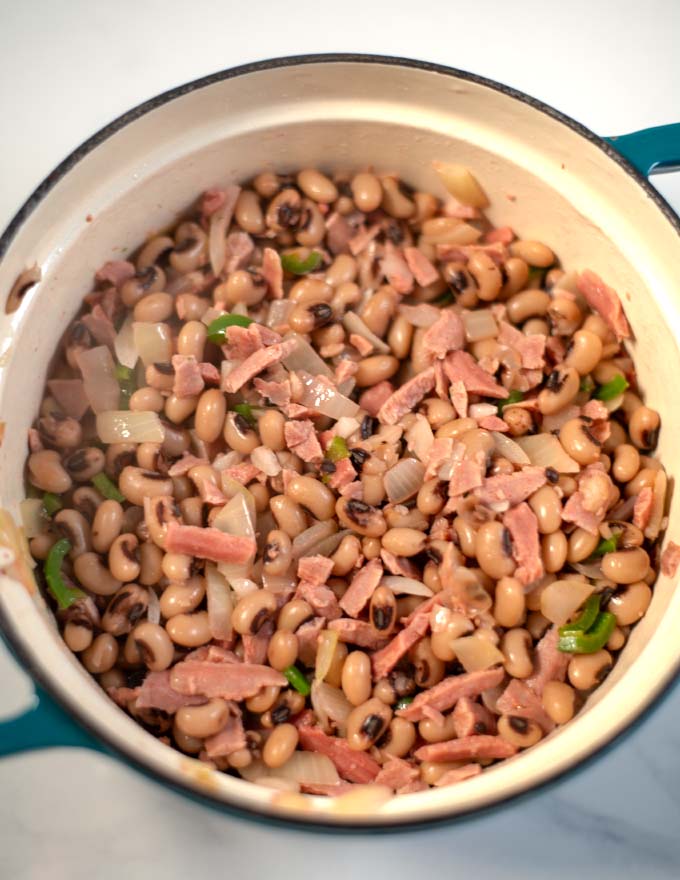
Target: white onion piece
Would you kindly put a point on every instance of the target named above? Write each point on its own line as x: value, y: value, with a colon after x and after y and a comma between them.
x: 32, y: 517
x: 305, y: 541
x: 479, y: 325
x: 459, y: 181
x: 330, y: 702
x: 545, y: 450
x: 329, y: 545
x: 210, y: 314
x: 481, y: 410
x: 153, y: 610
x: 153, y: 342
x: 327, y: 642
x: 237, y: 517
x: 353, y: 324
x: 553, y: 422
x: 309, y: 768
x: 242, y: 586
x: 591, y: 570
x: 404, y: 480
x: 407, y: 586
x: 124, y: 344
x: 217, y: 232
x: 227, y: 460
x: 99, y: 379
x: 347, y: 387
x: 303, y: 357
x: 323, y: 397
x: 475, y: 652
x: 419, y: 437
x: 265, y: 460
x: 279, y: 312
x: 507, y: 448
x: 130, y: 426
x: 345, y: 427
x: 613, y: 404
x: 422, y: 315
x: 563, y: 598
x: 220, y: 603
x: 491, y: 696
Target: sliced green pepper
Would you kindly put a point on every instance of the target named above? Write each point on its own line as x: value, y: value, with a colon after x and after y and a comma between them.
x: 591, y: 641
x: 245, y: 410
x: 297, y: 680
x: 107, y: 488
x: 402, y: 703
x: 217, y: 329
x: 64, y: 594
x: 51, y: 503
x: 293, y: 264
x: 586, y: 618
x: 611, y: 389
x: 513, y: 397
x: 607, y: 545
x: 337, y: 449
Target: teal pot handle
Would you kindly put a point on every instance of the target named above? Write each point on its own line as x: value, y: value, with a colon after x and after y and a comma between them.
x: 651, y: 150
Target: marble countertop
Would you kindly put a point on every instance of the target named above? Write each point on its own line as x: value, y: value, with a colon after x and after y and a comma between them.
x: 67, y: 69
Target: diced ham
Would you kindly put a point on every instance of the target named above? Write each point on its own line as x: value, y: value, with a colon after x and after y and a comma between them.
x: 353, y: 490
x: 213, y: 654
x: 243, y: 473
x: 157, y: 693
x: 469, y: 748
x: 445, y: 335
x: 210, y: 373
x: 531, y: 349
x: 230, y: 739
x: 362, y: 345
x: 422, y: 315
x: 471, y: 719
x: 670, y: 559
x: 308, y: 638
x: 588, y: 506
x: 116, y: 272
x: 345, y: 369
x: 70, y: 396
x: 210, y: 493
x: 338, y: 233
x: 459, y: 398
x: 255, y: 644
x: 461, y: 366
x: 211, y: 201
x: 373, y: 398
x: 400, y: 565
x: 500, y: 234
x: 397, y: 773
x: 512, y: 489
x: 240, y: 247
x: 493, y: 423
x: 35, y: 443
x: 241, y: 342
x: 302, y: 440
x: 272, y: 272
x: 643, y: 507
x: 550, y: 664
x: 343, y: 475
x: 277, y: 392
x: 466, y: 473
x: 453, y: 208
x: 256, y: 363
x: 209, y: 543
x: 357, y: 632
x: 440, y: 452
x: 458, y: 774
x: 421, y: 268
x: 323, y: 600
x: 121, y: 696
x: 188, y: 379
x: 314, y: 569
x: 326, y: 789
x: 595, y: 410
x: 519, y: 700
x: 363, y: 585
x: 361, y: 239
x: 352, y: 765
x: 100, y: 326
x: 462, y: 253
x: 395, y: 269
x: 575, y: 512
x: 405, y: 398
x: 384, y: 660
x: 605, y: 301
x: 445, y: 694
x: 231, y: 681
x: 522, y: 524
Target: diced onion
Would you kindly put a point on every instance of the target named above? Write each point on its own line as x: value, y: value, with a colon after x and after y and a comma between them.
x: 405, y: 585
x: 491, y: 696
x: 124, y: 344
x: 210, y: 314
x: 659, y: 489
x: 461, y: 184
x: 591, y: 570
x: 304, y: 543
x: 32, y: 517
x: 265, y: 460
x: 310, y: 768
x: 99, y: 379
x: 545, y: 450
x: 130, y: 426
x: 345, y: 427
x: 353, y: 324
x: 404, y: 480
x: 279, y: 312
x: 303, y: 357
x: 507, y: 448
x: 242, y: 586
x: 153, y: 611
x: 419, y: 437
x: 326, y: 645
x: 153, y: 342
x: 475, y: 652
x: 330, y: 703
x: 561, y: 599
x: 220, y: 604
x: 237, y: 517
x: 422, y: 315
x: 217, y: 233
x: 479, y: 325
x: 322, y: 397
x: 481, y: 410
x: 552, y: 423
x: 227, y: 460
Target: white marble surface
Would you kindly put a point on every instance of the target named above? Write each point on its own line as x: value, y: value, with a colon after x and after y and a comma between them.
x: 68, y: 68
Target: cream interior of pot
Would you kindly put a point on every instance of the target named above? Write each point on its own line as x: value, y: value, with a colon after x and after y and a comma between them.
x: 544, y: 179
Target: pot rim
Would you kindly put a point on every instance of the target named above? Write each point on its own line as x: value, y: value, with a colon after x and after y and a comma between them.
x: 318, y: 823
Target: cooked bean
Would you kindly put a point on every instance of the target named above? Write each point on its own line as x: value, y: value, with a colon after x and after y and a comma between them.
x: 404, y: 541
x: 565, y: 316
x: 360, y: 517
x: 516, y: 646
x: 94, y: 576
x: 342, y: 269
x: 374, y: 369
x: 561, y: 388
x: 101, y: 655
x: 510, y: 605
x: 493, y: 550
x: 318, y: 187
x: 312, y: 495
x: 399, y: 738
x: 203, y: 721
x: 154, y: 308
x: 382, y: 612
x: 46, y: 472
x: 367, y: 723
x: 253, y: 611
x: 379, y: 310
x: 77, y: 636
x: 148, y: 280
x: 626, y: 566
x: 626, y: 462
x: 516, y: 273
x: 487, y: 276
x: 289, y: 516
x: 578, y: 442
x: 535, y: 253
x: 137, y: 484
x: 582, y: 544
x: 123, y: 558
x: 434, y: 730
x: 264, y: 699
x: 400, y: 336
x: 61, y: 431
x: 248, y: 212
x: 546, y: 504
x: 334, y: 674
x: 616, y: 640
x: 282, y: 650
x: 346, y: 556
x: 630, y: 604
x: 190, y: 248
x: 394, y: 201
x: 429, y: 669
x: 585, y: 671
x: 431, y: 772
x: 189, y: 630
x: 154, y: 645
x: 527, y: 304
x: 152, y: 251
x: 559, y: 701
x: 240, y: 287
x: 366, y: 191
x: 554, y: 549
x: 150, y: 557
x: 125, y: 608
x: 584, y: 352
x: 520, y: 732
x: 280, y: 745
x: 643, y: 427
x: 71, y: 524
x: 182, y: 598
x: 356, y: 678
x: 176, y: 566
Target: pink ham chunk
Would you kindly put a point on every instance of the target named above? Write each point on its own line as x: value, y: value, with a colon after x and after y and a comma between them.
x: 211, y: 201
x: 323, y: 601
x: 255, y: 644
x: 345, y: 368
x: 493, y: 423
x: 209, y: 543
x: 243, y: 473
x: 314, y: 569
x: 362, y: 345
x: 373, y: 398
x: 670, y: 559
x: 343, y: 475
x: 397, y: 773
x: 422, y: 315
x: 240, y: 247
x: 421, y: 268
x: 531, y: 349
x: 363, y: 585
x: 511, y: 489
x: 272, y: 272
x: 395, y: 269
x: 447, y: 334
x: 302, y: 440
x: 231, y: 681
x: 642, y: 510
x: 210, y: 373
x: 184, y: 464
x: 157, y: 693
x: 520, y: 701
x: 100, y: 326
x: 595, y: 410
x: 522, y: 524
x: 404, y: 399
x: 230, y: 739
x: 256, y: 363
x: 116, y: 272
x: 458, y: 774
x: 500, y: 234
x: 440, y: 452
x: 384, y: 661
x: 550, y: 664
x: 588, y: 506
x: 338, y: 233
x: 466, y: 473
x: 467, y: 749
x: 308, y: 639
x: 459, y: 397
x: 354, y: 766
x: 357, y: 632
x: 361, y: 239
x: 470, y: 719
x: 447, y: 693
x: 605, y: 301
x: 277, y: 392
x: 326, y: 789
x: 461, y: 366
x: 462, y: 253
x: 188, y: 378
x: 400, y: 565
x: 70, y: 396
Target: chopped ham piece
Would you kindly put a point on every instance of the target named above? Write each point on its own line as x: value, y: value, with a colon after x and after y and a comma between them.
x: 461, y: 366
x: 157, y: 693
x: 404, y: 399
x: 343, y: 475
x: 441, y: 451
x: 447, y: 334
x: 469, y: 748
x: 243, y: 473
x: 35, y: 444
x: 522, y: 524
x: 272, y: 272
x: 323, y: 600
x: 470, y: 718
x: 459, y: 398
x: 421, y: 268
x: 213, y: 654
x: 670, y: 559
x: 397, y: 773
x: 643, y: 508
x: 212, y: 200
x: 519, y: 700
x: 493, y: 423
x: 241, y: 342
x: 595, y: 410
x: 240, y: 247
x: 373, y: 398
x: 230, y: 739
x: 467, y: 473
x: 453, y: 208
x: 302, y: 440
x: 457, y: 252
x: 550, y: 664
x: 70, y: 396
x: 116, y: 272
x: 445, y: 694
x: 121, y: 696
x: 353, y: 490
x: 362, y: 345
x: 210, y: 373
x: 363, y: 585
x: 575, y: 512
x: 308, y: 638
x: 458, y: 774
x: 512, y: 489
x: 326, y: 789
x: 256, y: 363
x: 384, y: 660
x: 361, y: 240
x: 315, y: 569
x: 210, y: 493
x: 500, y: 234
x: 531, y: 349
x: 338, y: 233
x: 255, y: 644
x: 100, y: 326
x: 345, y: 368
x: 605, y: 301
x: 422, y: 315
x: 352, y: 765
x: 209, y: 544
x: 188, y: 379
x: 231, y: 681
x: 277, y: 392
x: 395, y: 269
x: 400, y: 565
x: 357, y: 632
x: 588, y: 506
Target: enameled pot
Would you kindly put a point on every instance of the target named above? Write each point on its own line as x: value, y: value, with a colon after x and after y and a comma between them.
x: 549, y: 178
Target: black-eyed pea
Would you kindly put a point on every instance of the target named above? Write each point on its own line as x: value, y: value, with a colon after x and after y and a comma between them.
x: 516, y: 647
x: 527, y: 304
x: 434, y: 730
x: 150, y: 558
x: 280, y: 745
x: 160, y: 376
x: 562, y: 386
x: 509, y: 604
x: 537, y: 625
x: 248, y: 212
x: 516, y: 273
x: 486, y: 275
x: 342, y: 269
x: 379, y: 310
x: 149, y: 279
x: 241, y: 287
x: 432, y: 497
x: 253, y: 611
x: 289, y: 516
x: 112, y: 678
x: 643, y: 427
x: 264, y: 699
x: 394, y: 201
x: 334, y: 675
x: 546, y: 504
x: 154, y: 308
x: 535, y: 253
x: 83, y: 464
x: 71, y: 524
x: 493, y: 549
x: 630, y: 604
x: 429, y: 669
x: 626, y: 566
x: 78, y: 636
x: 318, y: 187
x: 277, y: 554
x: 176, y: 567
x: 137, y: 484
x: 154, y: 645
x: 616, y: 640
x: 554, y: 549
x: 404, y: 541
x: 578, y: 442
x: 94, y: 576
x: 101, y: 655
x: 584, y: 352
x: 125, y: 609
x: 626, y: 462
x: 294, y: 614
x: 41, y: 545
x: 182, y: 598
x: 191, y: 306
x: 367, y: 723
x: 124, y: 558
x: 239, y: 435
x: 586, y: 671
x: 190, y: 745
x: 467, y: 536
x: 565, y: 316
x: 400, y: 337
x: 582, y: 544
x: 346, y: 556
x: 382, y: 612
x: 203, y: 721
x: 356, y: 678
x: 270, y: 428
x: 267, y: 184
x: 282, y: 650
x: 360, y: 517
x: 46, y: 472
x: 432, y: 771
x: 366, y: 191
x: 190, y: 248
x: 399, y: 738
x: 189, y: 630
x: 559, y: 701
x: 520, y: 732
x: 374, y: 369
x: 210, y: 413
x: 518, y: 420
x: 311, y: 494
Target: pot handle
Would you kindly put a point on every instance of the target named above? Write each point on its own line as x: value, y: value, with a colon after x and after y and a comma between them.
x: 650, y: 150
